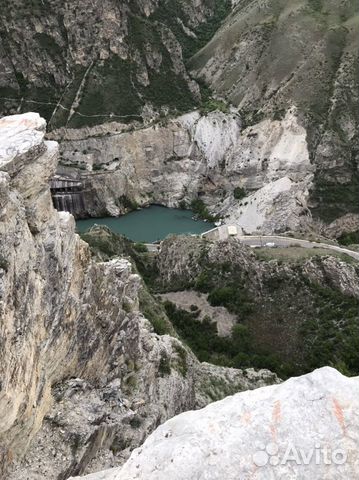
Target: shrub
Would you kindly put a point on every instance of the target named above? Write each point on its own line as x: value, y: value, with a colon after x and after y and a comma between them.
x: 199, y: 208
x: 127, y: 203
x: 211, y: 105
x: 140, y: 247
x: 239, y: 193
x: 351, y: 238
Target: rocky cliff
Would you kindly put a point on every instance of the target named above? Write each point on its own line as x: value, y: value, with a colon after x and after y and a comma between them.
x: 268, y: 56
x: 84, y: 378
x: 304, y: 428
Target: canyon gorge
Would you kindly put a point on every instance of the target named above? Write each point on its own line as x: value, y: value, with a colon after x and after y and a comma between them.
x: 195, y: 357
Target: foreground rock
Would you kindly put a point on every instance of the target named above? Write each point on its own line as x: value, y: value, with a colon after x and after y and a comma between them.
x: 305, y: 428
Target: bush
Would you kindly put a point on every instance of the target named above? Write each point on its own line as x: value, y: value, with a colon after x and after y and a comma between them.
x: 349, y: 238
x: 140, y: 247
x: 221, y: 296
x: 199, y: 208
x: 239, y: 193
x: 211, y: 105
x: 127, y: 203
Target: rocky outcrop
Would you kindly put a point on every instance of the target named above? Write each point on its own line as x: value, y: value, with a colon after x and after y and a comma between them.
x: 346, y: 224
x: 210, y: 155
x: 299, y: 306
x: 304, y: 428
x: 84, y: 378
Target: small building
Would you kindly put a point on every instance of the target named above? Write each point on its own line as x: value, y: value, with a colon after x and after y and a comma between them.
x: 232, y: 230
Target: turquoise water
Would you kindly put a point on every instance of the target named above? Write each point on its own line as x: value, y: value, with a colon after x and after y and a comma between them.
x: 150, y: 224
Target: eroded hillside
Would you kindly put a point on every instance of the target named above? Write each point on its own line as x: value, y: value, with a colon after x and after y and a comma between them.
x: 269, y: 56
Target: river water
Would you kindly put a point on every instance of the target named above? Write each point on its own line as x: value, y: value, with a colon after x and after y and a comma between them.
x: 150, y: 224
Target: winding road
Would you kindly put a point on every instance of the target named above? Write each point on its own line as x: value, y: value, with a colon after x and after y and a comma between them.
x: 264, y: 241
x: 270, y: 241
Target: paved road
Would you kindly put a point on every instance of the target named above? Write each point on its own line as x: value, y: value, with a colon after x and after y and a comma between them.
x: 264, y: 240
x: 153, y: 247
x: 261, y: 241
x: 222, y: 233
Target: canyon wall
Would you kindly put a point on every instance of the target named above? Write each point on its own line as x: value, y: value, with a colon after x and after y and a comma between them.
x: 210, y: 155
x: 268, y: 56
x: 143, y: 62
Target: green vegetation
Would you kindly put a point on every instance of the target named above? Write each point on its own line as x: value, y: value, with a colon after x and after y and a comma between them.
x: 316, y: 5
x: 331, y: 337
x: 211, y: 105
x: 232, y: 292
x: 182, y: 357
x: 208, y: 103
x: 128, y: 203
x: 155, y: 313
x: 239, y: 193
x: 135, y: 422
x: 48, y: 43
x: 334, y: 199
x: 351, y: 238
x: 202, y: 337
x: 275, y: 311
x: 140, y: 248
x: 298, y: 255
x: 199, y: 208
x: 169, y: 11
x: 108, y: 90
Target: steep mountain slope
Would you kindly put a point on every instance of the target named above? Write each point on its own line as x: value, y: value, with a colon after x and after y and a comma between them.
x: 269, y: 56
x: 134, y: 62
x: 87, y: 62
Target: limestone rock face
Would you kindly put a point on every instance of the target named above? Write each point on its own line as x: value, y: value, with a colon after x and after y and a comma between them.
x: 58, y: 315
x: 211, y: 155
x: 268, y: 56
x: 304, y: 428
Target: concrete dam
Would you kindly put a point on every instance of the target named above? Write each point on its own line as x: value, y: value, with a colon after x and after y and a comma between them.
x: 68, y: 195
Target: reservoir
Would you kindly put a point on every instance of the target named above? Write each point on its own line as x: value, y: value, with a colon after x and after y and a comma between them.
x: 150, y: 224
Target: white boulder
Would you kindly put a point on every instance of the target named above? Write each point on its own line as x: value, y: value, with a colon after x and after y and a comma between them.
x: 305, y: 428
